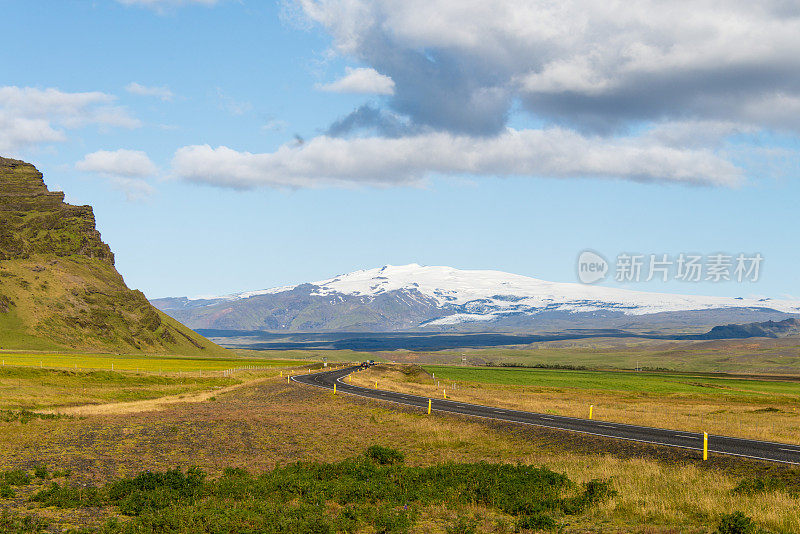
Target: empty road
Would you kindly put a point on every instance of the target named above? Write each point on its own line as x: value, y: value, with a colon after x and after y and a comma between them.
x: 748, y: 448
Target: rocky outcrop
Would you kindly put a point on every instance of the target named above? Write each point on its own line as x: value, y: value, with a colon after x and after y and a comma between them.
x: 34, y: 220
x: 59, y: 288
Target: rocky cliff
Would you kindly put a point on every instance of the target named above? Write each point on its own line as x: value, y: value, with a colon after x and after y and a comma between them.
x: 58, y: 285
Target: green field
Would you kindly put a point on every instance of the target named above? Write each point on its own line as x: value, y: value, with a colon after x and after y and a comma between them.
x: 763, y: 356
x: 139, y: 363
x: 31, y: 388
x: 642, y: 383
x: 43, y: 381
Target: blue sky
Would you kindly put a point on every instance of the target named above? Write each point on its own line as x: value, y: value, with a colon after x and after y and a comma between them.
x: 202, y: 132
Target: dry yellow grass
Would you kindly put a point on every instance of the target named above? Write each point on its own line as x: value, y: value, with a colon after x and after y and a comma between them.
x: 748, y: 418
x: 266, y: 423
x: 652, y: 493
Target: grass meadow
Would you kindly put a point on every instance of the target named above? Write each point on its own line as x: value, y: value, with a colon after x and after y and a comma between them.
x: 251, y: 452
x: 243, y: 440
x: 762, y: 356
x: 753, y: 408
x: 49, y: 381
x: 138, y: 362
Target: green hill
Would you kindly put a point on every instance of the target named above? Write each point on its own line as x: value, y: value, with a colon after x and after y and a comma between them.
x: 59, y: 289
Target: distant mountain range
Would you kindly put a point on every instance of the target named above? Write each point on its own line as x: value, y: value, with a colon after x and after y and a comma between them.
x: 415, y: 298
x: 771, y: 329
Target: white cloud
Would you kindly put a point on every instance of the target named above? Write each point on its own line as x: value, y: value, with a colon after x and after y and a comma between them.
x: 122, y: 162
x: 31, y: 116
x: 363, y: 81
x: 557, y: 153
x: 142, y: 90
x: 124, y: 169
x: 460, y: 66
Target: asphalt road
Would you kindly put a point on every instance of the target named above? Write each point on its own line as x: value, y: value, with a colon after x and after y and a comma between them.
x: 748, y: 448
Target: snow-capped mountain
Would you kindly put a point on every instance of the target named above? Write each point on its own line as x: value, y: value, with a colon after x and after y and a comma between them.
x: 410, y: 297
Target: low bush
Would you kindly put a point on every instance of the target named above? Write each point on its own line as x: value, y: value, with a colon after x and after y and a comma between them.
x: 40, y: 471
x: 375, y: 491
x: 736, y: 523
x: 67, y: 496
x: 786, y: 481
x: 536, y: 522
x: 16, y: 477
x: 155, y: 491
x: 385, y: 455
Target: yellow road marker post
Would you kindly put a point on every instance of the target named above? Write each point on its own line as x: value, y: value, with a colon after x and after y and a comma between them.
x: 429, y: 406
x: 376, y: 384
x: 591, y: 411
x: 444, y: 392
x: 334, y: 388
x: 281, y: 373
x: 705, y: 445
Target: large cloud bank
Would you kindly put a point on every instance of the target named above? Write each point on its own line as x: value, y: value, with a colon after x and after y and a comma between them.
x: 639, y: 90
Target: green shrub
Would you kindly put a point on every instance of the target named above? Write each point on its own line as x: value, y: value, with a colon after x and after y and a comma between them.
x: 392, y: 521
x: 736, y: 523
x: 40, y: 471
x: 67, y: 496
x: 155, y: 491
x: 373, y: 492
x: 536, y: 522
x: 385, y: 455
x: 16, y: 477
x: 6, y: 491
x: 786, y: 481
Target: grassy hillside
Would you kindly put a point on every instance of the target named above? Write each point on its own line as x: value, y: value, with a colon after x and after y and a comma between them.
x: 59, y: 289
